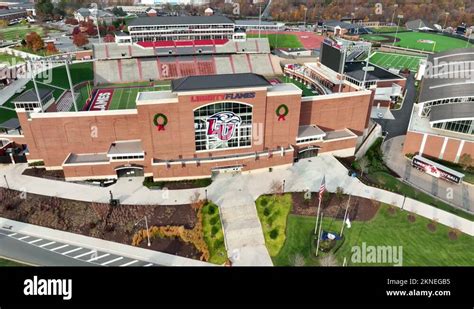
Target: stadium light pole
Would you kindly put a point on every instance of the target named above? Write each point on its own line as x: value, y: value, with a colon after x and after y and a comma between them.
x: 33, y: 72
x: 394, y: 11
x: 445, y: 21
x: 398, y: 25
x: 66, y: 62
x: 305, y: 12
x: 259, y: 20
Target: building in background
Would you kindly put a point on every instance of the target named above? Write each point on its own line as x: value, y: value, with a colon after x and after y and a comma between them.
x: 442, y: 122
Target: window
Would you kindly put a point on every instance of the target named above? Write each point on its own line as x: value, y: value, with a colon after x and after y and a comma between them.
x: 240, y: 131
x: 139, y: 157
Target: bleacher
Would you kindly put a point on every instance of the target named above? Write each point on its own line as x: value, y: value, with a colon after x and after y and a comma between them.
x: 144, y: 61
x: 65, y: 103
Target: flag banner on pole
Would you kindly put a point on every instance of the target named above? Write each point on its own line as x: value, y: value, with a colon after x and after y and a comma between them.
x: 322, y: 188
x: 348, y: 223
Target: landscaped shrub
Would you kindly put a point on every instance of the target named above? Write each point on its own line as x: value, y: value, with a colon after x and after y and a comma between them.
x: 214, y: 220
x: 274, y: 233
x: 212, y: 209
x: 214, y: 230
x: 264, y: 202
x: 266, y: 212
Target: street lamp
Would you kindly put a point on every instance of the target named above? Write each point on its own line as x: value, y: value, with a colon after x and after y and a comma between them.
x: 147, y: 230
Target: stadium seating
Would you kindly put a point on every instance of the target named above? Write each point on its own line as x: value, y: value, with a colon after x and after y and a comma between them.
x: 130, y: 70
x: 65, y: 103
x: 241, y: 63
x: 223, y: 65
x: 149, y: 69
x: 107, y: 72
x: 261, y: 64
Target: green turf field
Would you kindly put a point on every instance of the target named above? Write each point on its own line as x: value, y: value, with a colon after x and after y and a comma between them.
x: 80, y: 72
x: 411, y: 40
x: 396, y: 61
x: 125, y: 98
x: 386, y: 29
x: 373, y: 37
x: 280, y: 40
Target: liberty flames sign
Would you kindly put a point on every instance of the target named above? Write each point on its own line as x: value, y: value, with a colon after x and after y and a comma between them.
x: 223, y: 125
x: 221, y: 97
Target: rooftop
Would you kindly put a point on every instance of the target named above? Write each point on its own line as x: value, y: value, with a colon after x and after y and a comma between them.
x: 11, y: 11
x: 30, y: 95
x: 446, y: 112
x: 222, y: 81
x: 180, y: 20
x: 86, y: 158
x: 125, y: 147
x: 310, y: 131
x: 449, y: 75
x: 355, y: 70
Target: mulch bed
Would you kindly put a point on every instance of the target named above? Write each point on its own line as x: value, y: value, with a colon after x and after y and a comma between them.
x: 361, y: 209
x: 453, y: 235
x: 100, y: 220
x: 411, y: 218
x: 41, y: 172
x: 431, y: 227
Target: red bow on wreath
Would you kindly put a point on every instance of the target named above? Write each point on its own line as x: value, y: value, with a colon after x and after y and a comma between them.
x: 160, y: 125
x: 281, y: 116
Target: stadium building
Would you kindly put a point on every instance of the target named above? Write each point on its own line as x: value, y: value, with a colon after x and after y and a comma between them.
x: 203, y: 125
x: 442, y: 122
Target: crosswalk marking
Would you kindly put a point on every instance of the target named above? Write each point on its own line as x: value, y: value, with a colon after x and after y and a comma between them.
x: 12, y: 234
x: 147, y: 265
x: 84, y: 254
x: 99, y: 257
x: 129, y: 263
x: 60, y: 247
x: 111, y: 261
x: 49, y: 243
x: 71, y: 251
x: 35, y: 241
x: 24, y: 237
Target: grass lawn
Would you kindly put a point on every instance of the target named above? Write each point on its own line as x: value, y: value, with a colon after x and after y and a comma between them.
x: 213, y: 234
x: 420, y: 246
x: 280, y: 40
x: 20, y: 31
x: 6, y: 114
x: 396, y: 61
x: 272, y: 211
x: 10, y: 60
x: 411, y: 40
x: 6, y: 263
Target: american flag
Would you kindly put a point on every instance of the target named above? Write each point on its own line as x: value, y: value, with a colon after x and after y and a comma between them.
x: 322, y: 188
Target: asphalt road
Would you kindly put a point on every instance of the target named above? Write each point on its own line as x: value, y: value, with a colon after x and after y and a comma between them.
x: 399, y: 125
x: 44, y: 252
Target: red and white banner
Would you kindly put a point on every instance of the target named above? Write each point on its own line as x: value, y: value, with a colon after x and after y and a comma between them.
x: 102, y: 100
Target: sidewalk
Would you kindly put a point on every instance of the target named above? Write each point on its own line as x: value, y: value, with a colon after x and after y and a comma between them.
x: 461, y: 195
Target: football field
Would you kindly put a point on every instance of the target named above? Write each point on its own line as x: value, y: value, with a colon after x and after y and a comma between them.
x: 396, y: 61
x: 125, y: 98
x: 428, y: 41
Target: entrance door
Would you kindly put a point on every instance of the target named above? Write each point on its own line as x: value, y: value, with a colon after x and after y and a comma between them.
x: 131, y: 171
x: 308, y: 153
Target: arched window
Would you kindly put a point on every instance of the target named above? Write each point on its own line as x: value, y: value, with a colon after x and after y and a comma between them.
x: 223, y: 125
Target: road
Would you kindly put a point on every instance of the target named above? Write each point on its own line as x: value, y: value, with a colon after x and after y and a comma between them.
x: 43, y: 252
x: 399, y: 125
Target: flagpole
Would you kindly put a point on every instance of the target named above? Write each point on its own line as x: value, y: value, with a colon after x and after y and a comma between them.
x: 320, y: 197
x: 345, y: 262
x: 345, y: 214
x: 319, y: 234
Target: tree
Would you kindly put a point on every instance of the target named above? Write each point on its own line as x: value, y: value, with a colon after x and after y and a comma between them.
x: 71, y: 21
x: 51, y: 49
x: 3, y: 23
x: 363, y: 164
x: 76, y: 30
x: 44, y: 9
x: 339, y: 194
x: 466, y: 161
x: 109, y: 38
x: 80, y: 39
x: 34, y: 41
